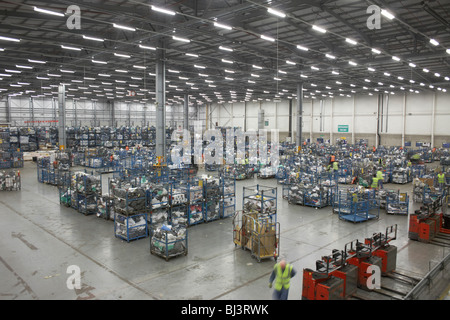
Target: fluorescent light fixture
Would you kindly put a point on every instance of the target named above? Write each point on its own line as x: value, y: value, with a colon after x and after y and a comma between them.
x: 380, y: 83
x: 338, y: 82
x: 70, y: 48
x: 277, y: 79
x: 23, y: 67
x: 173, y: 71
x: 352, y: 85
x: 387, y: 74
x: 412, y: 65
x: 434, y: 42
x: 426, y: 70
x: 353, y: 63
x: 120, y: 81
x: 229, y: 71
x: 77, y: 81
x: 104, y: 75
x: 226, y: 78
x: 400, y: 78
x: 267, y: 38
x: 48, y: 12
x: 37, y: 61
x: 255, y: 75
x: 89, y: 79
x: 412, y: 81
x: 226, y: 61
x: 181, y: 39
x: 9, y: 39
x: 276, y: 12
x: 158, y: 9
x: 351, y: 41
x: 329, y: 56
x: 290, y: 62
x: 121, y: 71
x: 146, y: 47
x: 376, y: 51
x: 53, y: 75
x: 67, y: 71
x: 99, y: 62
x: 436, y: 74
x: 256, y: 67
x: 24, y: 83
x: 122, y: 55
x: 192, y: 55
x: 431, y: 86
x: 139, y: 67
x: 2, y: 49
x: 302, y: 48
x: 303, y: 76
x: 317, y: 28
x: 282, y: 72
x: 335, y: 72
x: 314, y: 68
x: 371, y: 69
x: 199, y: 67
x: 93, y: 38
x: 203, y: 75
x: 13, y: 71
x: 225, y: 49
x: 395, y: 58
x: 118, y: 26
x: 448, y: 51
x: 447, y: 79
x: 223, y: 26
x: 387, y: 14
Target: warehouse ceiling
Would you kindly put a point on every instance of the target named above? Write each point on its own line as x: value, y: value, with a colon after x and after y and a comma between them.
x: 224, y: 50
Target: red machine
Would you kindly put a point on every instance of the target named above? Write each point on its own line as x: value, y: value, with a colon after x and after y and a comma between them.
x: 338, y: 275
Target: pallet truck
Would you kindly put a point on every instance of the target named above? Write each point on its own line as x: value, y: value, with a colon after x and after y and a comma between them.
x: 338, y: 275
x: 430, y: 221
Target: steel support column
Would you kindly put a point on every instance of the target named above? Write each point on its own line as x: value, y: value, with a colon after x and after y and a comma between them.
x: 62, y: 116
x: 186, y: 112
x: 160, y: 101
x: 299, y: 114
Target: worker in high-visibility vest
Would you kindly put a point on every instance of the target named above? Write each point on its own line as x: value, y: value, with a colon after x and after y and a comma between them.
x: 380, y: 178
x: 441, y: 180
x: 374, y: 184
x: 335, y: 166
x: 282, y: 274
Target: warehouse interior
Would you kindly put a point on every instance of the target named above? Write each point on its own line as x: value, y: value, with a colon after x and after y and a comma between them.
x: 179, y: 150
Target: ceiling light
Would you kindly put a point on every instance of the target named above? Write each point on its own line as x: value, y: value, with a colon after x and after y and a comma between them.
x: 267, y: 38
x: 9, y: 39
x: 192, y: 55
x: 277, y: 79
x: 48, y: 12
x: 426, y: 70
x: 387, y: 14
x: 335, y: 72
x: 448, y: 51
x: 93, y: 38
x: 255, y: 75
x: 371, y: 69
x: 226, y: 61
x: 353, y: 63
x: 226, y: 78
x: 314, y: 68
x: 321, y: 30
x: 99, y: 62
x: 412, y: 65
x: 223, y: 26
x: 351, y: 41
x: 387, y: 74
x: 104, y: 75
x: 395, y: 58
x: 181, y: 39
x: 303, y: 76
x: 229, y: 71
x: 376, y: 51
x: 282, y: 72
x: 121, y: 71
x: 158, y: 9
x: 434, y: 42
x: 225, y: 49
x: 89, y: 79
x: 329, y: 56
x: 123, y: 27
x: 437, y: 74
x: 257, y: 67
x: 37, y: 61
x: 13, y: 71
x: 53, y: 75
x: 411, y: 81
x: 302, y: 48
x: 70, y: 48
x: 122, y: 55
x: 400, y: 78
x: 173, y: 71
x: 139, y: 67
x: 146, y: 47
x: 42, y: 78
x: 290, y: 62
x: 276, y: 12
x: 67, y: 71
x: 23, y: 67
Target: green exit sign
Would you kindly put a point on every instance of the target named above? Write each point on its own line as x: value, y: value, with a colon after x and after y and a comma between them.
x: 342, y: 128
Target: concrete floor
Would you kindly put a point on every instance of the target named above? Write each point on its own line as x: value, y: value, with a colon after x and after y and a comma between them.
x: 41, y: 239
